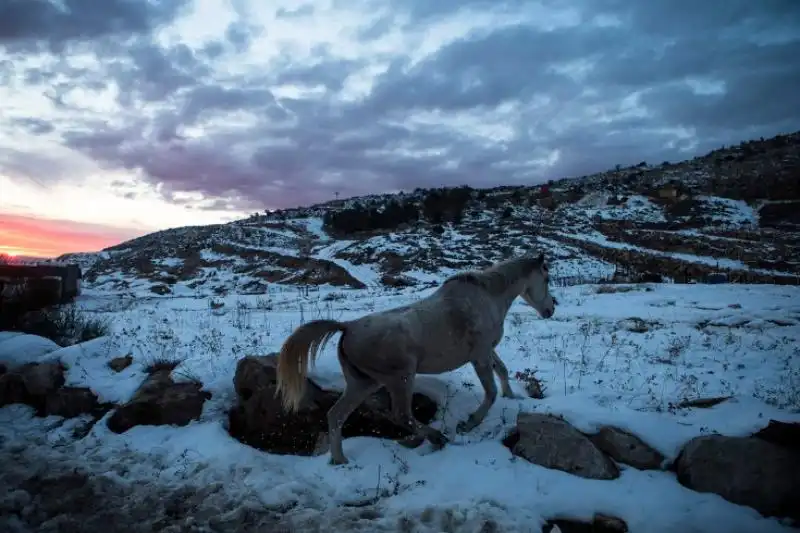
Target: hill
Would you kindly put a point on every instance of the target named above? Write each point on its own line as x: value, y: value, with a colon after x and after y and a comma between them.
x: 733, y: 211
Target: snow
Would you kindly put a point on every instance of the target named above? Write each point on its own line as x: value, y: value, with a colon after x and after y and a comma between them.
x: 19, y: 348
x: 734, y: 212
x: 719, y: 262
x: 366, y: 274
x: 622, y: 356
x: 313, y: 225
x: 636, y: 207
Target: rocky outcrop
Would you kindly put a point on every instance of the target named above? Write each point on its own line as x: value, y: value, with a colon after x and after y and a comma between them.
x: 118, y: 364
x: 41, y: 385
x: 600, y: 524
x: 551, y: 442
x: 259, y: 419
x: 160, y: 401
x: 626, y: 448
x: 744, y: 470
x: 70, y: 402
x: 782, y: 433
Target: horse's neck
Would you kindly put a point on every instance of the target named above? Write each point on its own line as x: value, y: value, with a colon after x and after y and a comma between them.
x: 505, y: 299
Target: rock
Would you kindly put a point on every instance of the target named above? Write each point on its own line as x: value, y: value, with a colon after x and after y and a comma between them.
x: 398, y: 281
x: 160, y: 401
x: 553, y: 443
x: 70, y: 402
x: 160, y: 289
x: 258, y: 419
x: 12, y: 389
x: 744, y: 470
x: 600, y: 524
x: 30, y: 383
x: 609, y: 524
x: 118, y: 364
x: 627, y: 448
x: 786, y: 434
x: 41, y: 378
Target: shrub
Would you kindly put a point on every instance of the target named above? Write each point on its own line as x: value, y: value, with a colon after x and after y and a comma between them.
x: 360, y: 218
x: 446, y: 204
x: 31, y: 308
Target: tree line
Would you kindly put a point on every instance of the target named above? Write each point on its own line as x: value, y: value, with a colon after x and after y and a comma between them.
x: 436, y: 206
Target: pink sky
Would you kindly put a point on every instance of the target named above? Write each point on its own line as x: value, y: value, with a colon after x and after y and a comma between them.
x: 41, y: 237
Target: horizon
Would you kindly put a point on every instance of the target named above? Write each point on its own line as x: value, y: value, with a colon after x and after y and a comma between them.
x: 126, y: 118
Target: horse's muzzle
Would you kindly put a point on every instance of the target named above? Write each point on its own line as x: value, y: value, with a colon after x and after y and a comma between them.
x: 547, y: 313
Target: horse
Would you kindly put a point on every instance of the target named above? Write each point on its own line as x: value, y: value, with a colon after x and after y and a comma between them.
x: 460, y: 322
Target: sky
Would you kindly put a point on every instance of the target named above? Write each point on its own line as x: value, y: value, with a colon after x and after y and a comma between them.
x: 123, y: 117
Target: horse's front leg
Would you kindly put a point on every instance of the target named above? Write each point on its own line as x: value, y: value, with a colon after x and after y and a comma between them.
x: 484, y: 369
x: 502, y: 372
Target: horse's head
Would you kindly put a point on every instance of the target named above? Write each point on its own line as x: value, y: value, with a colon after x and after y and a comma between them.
x: 537, y: 290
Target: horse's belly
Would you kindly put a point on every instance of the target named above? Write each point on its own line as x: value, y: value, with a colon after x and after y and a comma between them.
x: 439, y: 365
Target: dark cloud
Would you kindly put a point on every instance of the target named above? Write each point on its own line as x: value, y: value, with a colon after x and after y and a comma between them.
x: 26, y: 24
x: 616, y: 82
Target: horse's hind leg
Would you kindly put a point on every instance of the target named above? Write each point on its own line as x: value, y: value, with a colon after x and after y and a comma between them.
x: 401, y: 390
x: 502, y: 373
x: 358, y: 388
x: 484, y: 369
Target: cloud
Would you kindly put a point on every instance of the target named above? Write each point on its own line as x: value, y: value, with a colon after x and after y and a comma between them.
x: 26, y: 25
x: 39, y: 237
x: 236, y: 106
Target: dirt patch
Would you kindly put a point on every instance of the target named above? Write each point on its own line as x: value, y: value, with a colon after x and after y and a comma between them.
x: 45, y: 495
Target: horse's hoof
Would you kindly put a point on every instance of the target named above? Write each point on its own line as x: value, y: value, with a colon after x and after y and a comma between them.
x: 465, y: 426
x: 438, y: 441
x: 334, y: 461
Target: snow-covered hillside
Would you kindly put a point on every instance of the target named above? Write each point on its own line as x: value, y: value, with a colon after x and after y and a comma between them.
x: 729, y: 211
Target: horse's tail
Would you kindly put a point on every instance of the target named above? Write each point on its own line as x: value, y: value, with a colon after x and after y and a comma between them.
x: 302, y: 346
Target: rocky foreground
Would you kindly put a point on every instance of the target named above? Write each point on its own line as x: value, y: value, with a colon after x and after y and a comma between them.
x: 54, y: 489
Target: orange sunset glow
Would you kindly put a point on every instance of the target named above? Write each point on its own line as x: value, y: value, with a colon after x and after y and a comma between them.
x: 38, y: 237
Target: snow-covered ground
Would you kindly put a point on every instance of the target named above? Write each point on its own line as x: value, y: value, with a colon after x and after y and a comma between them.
x: 608, y: 356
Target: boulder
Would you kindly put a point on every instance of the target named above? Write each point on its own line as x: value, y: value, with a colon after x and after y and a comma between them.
x: 744, y: 470
x: 551, y: 442
x: 160, y: 401
x: 627, y: 448
x: 41, y: 385
x: 118, y: 364
x: 30, y: 383
x: 41, y: 378
x: 600, y: 524
x: 259, y: 420
x: 70, y: 402
x: 12, y: 389
x: 786, y: 434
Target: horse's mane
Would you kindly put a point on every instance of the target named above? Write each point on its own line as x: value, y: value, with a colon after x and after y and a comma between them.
x: 499, y: 276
